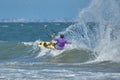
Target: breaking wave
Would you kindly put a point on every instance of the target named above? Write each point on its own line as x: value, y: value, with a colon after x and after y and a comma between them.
x: 95, y: 38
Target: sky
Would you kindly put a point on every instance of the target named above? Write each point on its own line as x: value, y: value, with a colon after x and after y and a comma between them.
x: 41, y: 9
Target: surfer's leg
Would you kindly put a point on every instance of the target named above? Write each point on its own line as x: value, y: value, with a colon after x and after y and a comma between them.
x: 58, y: 47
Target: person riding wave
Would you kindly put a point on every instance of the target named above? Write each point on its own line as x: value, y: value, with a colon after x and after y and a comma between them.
x: 59, y: 45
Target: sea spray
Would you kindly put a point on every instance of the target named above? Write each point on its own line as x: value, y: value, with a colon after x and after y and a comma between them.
x: 98, y: 28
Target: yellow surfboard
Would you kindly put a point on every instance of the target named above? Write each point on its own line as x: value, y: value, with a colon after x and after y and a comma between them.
x: 48, y: 45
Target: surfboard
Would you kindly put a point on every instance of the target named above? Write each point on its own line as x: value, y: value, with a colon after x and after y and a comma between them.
x: 48, y: 45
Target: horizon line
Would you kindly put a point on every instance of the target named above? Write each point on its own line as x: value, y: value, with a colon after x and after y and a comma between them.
x: 37, y: 20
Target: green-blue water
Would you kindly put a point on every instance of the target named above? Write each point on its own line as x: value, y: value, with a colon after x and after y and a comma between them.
x: 21, y: 59
x: 22, y: 32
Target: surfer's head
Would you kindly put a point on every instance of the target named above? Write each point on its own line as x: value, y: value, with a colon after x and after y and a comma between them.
x: 61, y: 36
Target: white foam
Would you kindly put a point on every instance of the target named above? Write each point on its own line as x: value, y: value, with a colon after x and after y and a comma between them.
x: 28, y: 43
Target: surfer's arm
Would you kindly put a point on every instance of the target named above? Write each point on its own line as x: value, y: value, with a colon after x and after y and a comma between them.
x: 53, y: 37
x: 68, y: 42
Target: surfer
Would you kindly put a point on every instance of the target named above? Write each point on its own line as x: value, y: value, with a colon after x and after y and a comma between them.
x: 59, y: 45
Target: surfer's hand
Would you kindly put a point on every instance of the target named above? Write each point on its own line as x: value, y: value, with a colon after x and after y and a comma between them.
x: 69, y: 43
x: 52, y: 36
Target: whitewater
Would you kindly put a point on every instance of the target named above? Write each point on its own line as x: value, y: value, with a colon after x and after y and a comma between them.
x: 93, y: 54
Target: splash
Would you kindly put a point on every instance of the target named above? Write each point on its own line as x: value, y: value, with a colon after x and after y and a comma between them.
x: 98, y: 29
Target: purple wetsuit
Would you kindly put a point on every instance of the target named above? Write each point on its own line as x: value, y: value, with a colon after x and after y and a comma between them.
x: 60, y: 43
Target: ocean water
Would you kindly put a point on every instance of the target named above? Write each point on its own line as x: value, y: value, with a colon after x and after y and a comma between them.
x: 93, y: 55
